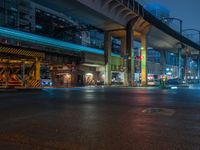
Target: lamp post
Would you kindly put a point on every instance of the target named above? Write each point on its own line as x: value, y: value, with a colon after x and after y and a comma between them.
x: 164, y: 19
x: 198, y: 58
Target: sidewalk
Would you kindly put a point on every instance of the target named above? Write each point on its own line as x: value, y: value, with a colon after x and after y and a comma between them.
x: 3, y: 90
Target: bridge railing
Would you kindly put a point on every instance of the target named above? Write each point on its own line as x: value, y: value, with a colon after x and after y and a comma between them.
x: 172, y: 24
x: 138, y: 6
x: 133, y: 5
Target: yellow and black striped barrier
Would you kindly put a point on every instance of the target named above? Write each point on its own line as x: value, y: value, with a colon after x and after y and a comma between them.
x: 34, y: 83
x: 23, y: 52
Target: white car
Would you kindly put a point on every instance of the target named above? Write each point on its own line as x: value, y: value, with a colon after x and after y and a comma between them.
x: 153, y: 83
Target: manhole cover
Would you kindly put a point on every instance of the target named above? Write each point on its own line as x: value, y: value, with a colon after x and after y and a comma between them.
x: 160, y: 111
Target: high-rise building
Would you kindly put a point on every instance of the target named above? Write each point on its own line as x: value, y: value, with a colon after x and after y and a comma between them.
x: 16, y: 14
x: 29, y: 16
x: 158, y: 10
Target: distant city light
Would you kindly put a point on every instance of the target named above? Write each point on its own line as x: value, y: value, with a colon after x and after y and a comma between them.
x: 169, y: 73
x: 174, y: 87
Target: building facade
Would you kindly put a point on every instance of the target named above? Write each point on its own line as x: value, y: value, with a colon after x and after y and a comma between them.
x: 63, y: 67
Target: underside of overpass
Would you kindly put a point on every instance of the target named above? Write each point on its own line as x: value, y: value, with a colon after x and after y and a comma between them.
x: 123, y: 19
x: 114, y: 15
x: 21, y: 67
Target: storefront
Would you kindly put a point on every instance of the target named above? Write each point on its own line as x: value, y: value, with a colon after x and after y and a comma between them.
x: 117, y: 78
x: 172, y: 72
x: 63, y: 75
x: 19, y: 67
x: 89, y: 79
x: 92, y: 74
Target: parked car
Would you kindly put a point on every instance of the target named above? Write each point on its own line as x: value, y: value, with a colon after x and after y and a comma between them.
x: 153, y: 83
x: 192, y: 81
x: 173, y: 82
x: 46, y: 82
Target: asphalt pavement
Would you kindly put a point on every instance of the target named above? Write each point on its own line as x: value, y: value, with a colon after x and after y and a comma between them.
x: 100, y: 119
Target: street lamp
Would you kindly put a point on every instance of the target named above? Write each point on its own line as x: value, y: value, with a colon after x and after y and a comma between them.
x: 195, y: 31
x: 198, y: 59
x: 165, y: 19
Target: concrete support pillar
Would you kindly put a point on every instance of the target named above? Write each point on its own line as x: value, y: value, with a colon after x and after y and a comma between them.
x: 179, y: 63
x: 130, y: 52
x: 186, y: 65
x: 23, y: 71
x: 163, y: 61
x: 123, y: 54
x: 198, y: 67
x: 37, y: 69
x: 123, y: 46
x: 7, y: 72
x: 144, y: 59
x: 107, y: 54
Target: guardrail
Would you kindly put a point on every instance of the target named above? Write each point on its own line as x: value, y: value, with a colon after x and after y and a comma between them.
x: 133, y: 5
x: 138, y: 7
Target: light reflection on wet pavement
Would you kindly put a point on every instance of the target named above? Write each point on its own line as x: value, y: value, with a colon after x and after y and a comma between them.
x: 100, y: 119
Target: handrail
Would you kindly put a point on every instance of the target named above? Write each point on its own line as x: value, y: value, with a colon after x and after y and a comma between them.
x: 141, y: 11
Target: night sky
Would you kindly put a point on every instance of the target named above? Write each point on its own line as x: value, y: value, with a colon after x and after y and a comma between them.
x: 187, y: 10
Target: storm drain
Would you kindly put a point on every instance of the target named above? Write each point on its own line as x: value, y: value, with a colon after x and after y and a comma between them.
x: 159, y: 111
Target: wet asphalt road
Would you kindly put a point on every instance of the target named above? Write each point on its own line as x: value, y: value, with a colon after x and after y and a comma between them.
x: 100, y: 119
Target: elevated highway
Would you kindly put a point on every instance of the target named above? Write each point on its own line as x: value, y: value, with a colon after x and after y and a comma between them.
x: 112, y: 15
x: 126, y: 19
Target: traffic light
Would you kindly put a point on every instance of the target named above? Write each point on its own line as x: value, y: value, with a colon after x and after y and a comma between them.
x: 139, y: 57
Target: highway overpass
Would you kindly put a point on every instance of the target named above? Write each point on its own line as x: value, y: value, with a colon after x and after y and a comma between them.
x: 126, y: 19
